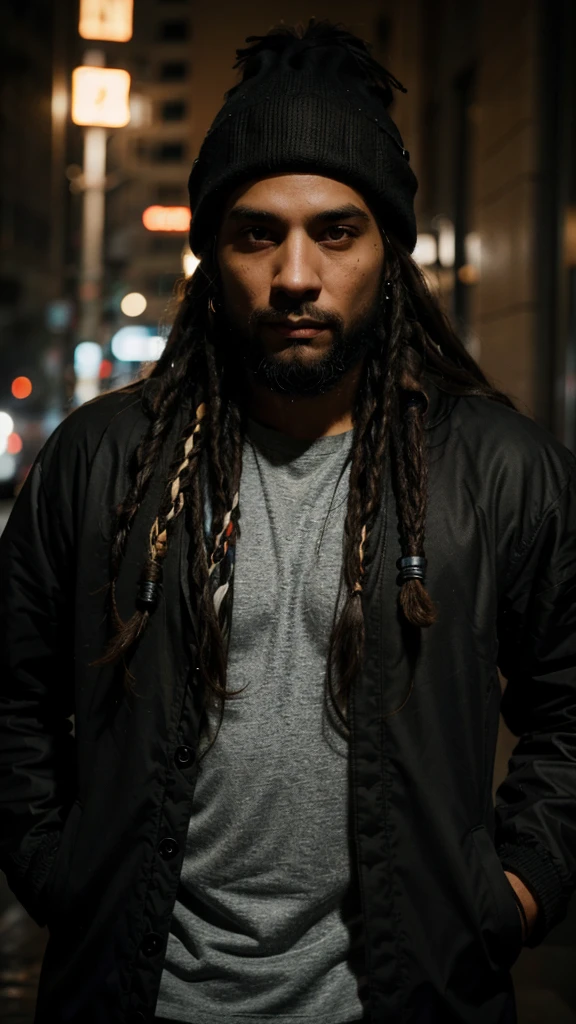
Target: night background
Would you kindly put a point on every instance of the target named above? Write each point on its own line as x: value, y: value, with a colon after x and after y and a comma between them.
x: 101, y: 117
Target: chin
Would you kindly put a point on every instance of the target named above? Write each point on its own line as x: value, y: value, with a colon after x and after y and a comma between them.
x: 297, y: 348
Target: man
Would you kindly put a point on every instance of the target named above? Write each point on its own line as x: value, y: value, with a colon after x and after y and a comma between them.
x: 315, y: 485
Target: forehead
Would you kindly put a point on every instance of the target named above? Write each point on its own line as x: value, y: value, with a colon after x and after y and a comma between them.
x: 292, y: 195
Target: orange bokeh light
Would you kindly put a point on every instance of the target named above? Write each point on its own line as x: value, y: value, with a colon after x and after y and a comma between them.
x: 105, y: 369
x: 166, y: 218
x: 13, y: 444
x: 21, y: 387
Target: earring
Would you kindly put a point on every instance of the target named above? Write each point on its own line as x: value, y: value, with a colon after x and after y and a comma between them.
x: 387, y: 290
x: 211, y: 306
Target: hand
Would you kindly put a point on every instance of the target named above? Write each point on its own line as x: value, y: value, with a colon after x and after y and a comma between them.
x: 528, y: 902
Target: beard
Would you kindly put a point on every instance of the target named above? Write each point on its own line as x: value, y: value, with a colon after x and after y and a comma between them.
x: 296, y: 375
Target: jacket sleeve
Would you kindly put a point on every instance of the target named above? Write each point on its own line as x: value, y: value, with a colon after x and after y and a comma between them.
x: 535, y: 805
x: 37, y: 746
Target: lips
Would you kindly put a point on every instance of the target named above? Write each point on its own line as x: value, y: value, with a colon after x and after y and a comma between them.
x: 298, y: 325
x: 288, y: 330
x: 300, y: 329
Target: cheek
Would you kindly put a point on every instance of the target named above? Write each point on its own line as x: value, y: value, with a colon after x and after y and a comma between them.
x: 358, y: 283
x: 240, y: 288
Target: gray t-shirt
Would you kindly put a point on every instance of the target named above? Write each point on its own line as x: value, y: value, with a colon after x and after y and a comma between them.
x: 267, y: 922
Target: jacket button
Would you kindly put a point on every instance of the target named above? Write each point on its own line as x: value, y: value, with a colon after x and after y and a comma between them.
x: 168, y: 848
x: 151, y: 944
x: 184, y: 756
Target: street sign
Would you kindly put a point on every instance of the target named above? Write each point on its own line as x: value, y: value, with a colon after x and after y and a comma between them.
x: 106, y: 19
x: 100, y: 97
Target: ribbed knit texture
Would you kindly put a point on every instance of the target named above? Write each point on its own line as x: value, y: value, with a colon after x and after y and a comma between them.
x: 305, y: 110
x: 534, y: 867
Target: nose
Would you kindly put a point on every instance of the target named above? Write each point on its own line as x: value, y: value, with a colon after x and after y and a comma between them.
x: 296, y: 272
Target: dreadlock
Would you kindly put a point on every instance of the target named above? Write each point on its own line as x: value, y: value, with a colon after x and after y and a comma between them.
x: 414, y: 338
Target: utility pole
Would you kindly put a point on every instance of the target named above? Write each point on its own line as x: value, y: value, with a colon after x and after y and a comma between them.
x: 100, y: 101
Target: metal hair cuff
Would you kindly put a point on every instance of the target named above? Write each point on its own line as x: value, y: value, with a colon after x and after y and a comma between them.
x: 412, y: 567
x: 148, y: 593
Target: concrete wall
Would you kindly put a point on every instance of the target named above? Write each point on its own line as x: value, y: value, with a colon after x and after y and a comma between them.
x: 430, y: 45
x: 505, y: 182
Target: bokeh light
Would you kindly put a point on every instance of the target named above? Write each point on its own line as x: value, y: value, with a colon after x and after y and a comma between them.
x: 13, y: 444
x: 6, y: 425
x: 87, y: 358
x: 133, y: 304
x: 21, y: 387
x: 138, y: 344
x: 166, y: 218
x: 7, y: 466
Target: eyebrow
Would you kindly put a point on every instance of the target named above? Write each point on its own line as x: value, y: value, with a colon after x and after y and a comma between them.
x: 238, y: 213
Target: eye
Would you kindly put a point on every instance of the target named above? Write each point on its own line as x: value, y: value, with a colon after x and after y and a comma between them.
x: 340, y: 227
x: 349, y: 232
x: 247, y: 231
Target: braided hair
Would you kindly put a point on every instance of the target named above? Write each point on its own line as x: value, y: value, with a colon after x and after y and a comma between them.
x: 414, y: 339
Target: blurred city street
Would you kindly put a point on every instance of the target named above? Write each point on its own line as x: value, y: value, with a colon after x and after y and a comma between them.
x: 104, y: 106
x: 5, y: 509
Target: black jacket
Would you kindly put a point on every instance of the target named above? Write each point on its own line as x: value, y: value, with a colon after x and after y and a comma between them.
x: 93, y: 823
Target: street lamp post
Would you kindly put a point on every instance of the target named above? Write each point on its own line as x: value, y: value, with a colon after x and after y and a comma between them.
x: 91, y: 258
x: 100, y: 100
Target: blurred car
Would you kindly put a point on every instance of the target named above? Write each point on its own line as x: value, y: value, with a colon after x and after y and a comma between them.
x: 21, y: 438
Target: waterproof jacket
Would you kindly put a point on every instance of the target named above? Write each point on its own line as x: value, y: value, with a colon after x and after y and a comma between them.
x: 94, y: 818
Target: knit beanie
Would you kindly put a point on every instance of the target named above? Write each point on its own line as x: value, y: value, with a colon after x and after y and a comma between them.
x: 316, y: 103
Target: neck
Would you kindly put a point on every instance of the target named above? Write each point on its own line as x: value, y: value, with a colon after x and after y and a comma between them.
x: 302, y: 417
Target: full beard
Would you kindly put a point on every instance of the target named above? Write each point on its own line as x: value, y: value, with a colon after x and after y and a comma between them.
x: 298, y: 376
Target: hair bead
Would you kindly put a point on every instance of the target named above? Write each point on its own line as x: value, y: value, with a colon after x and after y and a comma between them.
x: 412, y: 567
x: 148, y: 594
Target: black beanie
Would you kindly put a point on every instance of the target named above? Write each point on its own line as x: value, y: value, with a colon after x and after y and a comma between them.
x: 315, y: 103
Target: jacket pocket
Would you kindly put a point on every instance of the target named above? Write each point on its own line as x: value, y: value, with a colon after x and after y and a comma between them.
x: 55, y: 889
x: 499, y: 914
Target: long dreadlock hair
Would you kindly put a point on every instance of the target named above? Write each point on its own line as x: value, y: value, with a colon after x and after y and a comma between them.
x: 414, y: 339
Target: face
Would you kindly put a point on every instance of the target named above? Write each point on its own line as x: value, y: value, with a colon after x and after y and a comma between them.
x: 292, y: 247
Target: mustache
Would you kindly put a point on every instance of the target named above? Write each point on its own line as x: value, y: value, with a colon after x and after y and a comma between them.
x: 259, y: 316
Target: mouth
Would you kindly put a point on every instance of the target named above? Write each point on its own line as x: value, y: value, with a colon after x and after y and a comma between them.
x: 300, y: 329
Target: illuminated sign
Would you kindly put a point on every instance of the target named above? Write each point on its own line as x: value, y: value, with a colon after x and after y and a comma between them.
x: 100, y: 97
x: 166, y: 218
x: 106, y: 19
